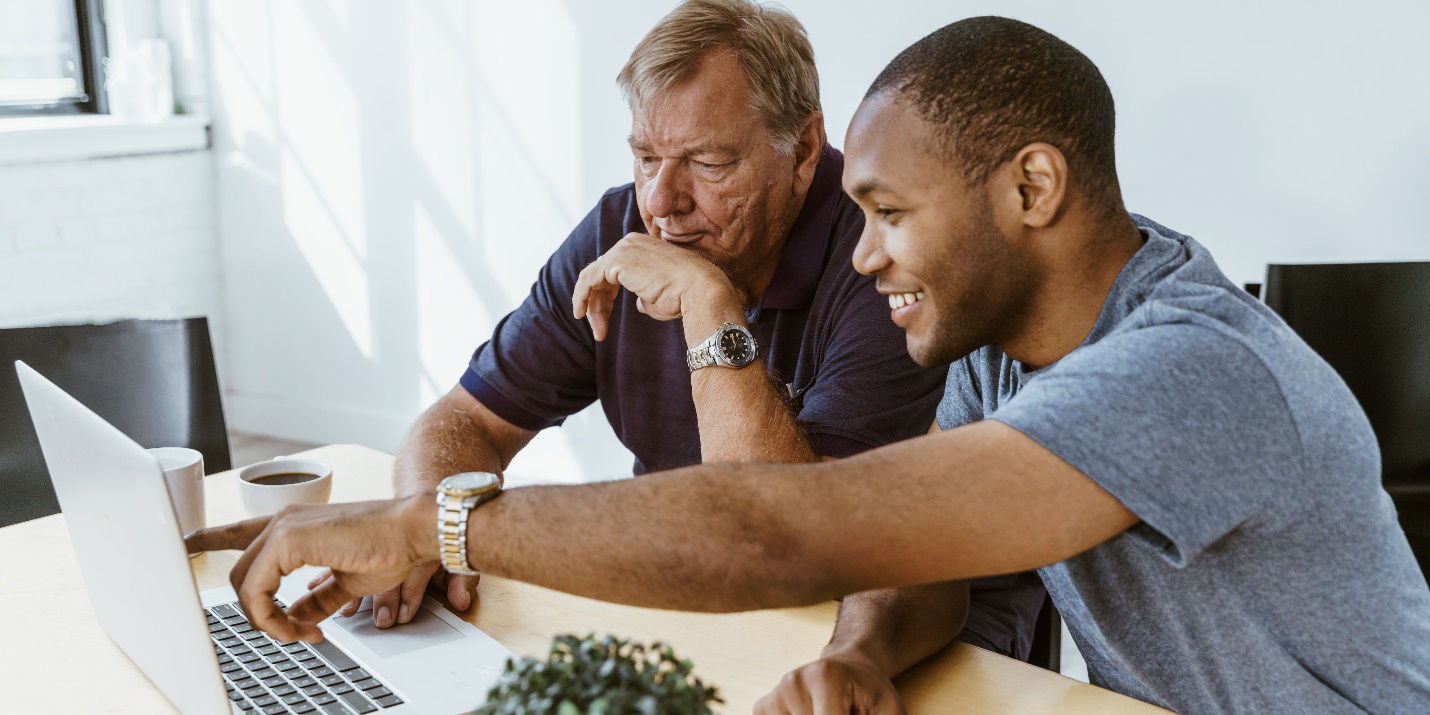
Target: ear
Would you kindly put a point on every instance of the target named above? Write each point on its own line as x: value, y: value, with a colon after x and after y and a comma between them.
x: 807, y: 148
x: 1039, y: 173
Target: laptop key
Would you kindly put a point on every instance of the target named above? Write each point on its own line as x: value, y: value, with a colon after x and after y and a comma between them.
x: 304, y: 681
x: 378, y: 692
x: 367, y: 683
x: 341, y: 688
x: 304, y: 707
x: 247, y: 706
x: 292, y: 698
x: 320, y: 670
x: 336, y: 709
x: 334, y: 655
x: 224, y: 609
x: 331, y: 679
x: 388, y: 701
x: 254, y: 636
x: 293, y: 647
x: 287, y: 666
x: 324, y: 698
x: 231, y: 667
x: 269, y: 649
x: 265, y: 701
x: 313, y: 690
x: 235, y: 695
x: 217, y: 627
x: 284, y: 689
x: 275, y: 709
x: 358, y: 703
x: 356, y: 674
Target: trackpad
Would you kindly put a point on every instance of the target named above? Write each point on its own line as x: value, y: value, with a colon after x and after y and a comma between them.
x: 423, y: 631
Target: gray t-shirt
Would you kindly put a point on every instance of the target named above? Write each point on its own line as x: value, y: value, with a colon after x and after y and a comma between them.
x: 1268, y: 573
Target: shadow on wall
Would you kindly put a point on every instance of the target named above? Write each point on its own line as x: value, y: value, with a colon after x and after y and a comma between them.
x: 390, y: 181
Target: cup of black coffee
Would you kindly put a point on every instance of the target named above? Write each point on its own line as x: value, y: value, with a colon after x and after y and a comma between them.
x: 267, y: 487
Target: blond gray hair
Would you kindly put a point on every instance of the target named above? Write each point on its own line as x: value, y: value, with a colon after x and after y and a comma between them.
x: 769, y: 43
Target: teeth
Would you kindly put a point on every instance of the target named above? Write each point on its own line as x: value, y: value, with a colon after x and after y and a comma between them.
x: 899, y: 300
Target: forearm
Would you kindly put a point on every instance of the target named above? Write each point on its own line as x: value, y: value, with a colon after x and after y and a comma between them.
x: 685, y: 555
x: 896, y: 628
x: 741, y: 412
x: 443, y: 441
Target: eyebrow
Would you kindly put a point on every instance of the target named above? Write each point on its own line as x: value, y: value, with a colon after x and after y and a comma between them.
x: 698, y: 149
x: 869, y: 186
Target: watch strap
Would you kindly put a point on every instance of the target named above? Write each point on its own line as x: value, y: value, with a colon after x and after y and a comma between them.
x: 452, y: 516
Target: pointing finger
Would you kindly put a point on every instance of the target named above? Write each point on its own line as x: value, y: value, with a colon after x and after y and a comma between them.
x: 237, y: 535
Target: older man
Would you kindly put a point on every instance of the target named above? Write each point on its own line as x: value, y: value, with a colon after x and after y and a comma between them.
x: 742, y: 333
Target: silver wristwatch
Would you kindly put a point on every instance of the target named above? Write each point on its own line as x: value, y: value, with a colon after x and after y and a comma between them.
x: 457, y: 496
x: 731, y: 346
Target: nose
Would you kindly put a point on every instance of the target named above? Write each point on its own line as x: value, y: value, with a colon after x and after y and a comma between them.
x: 668, y: 192
x: 869, y: 257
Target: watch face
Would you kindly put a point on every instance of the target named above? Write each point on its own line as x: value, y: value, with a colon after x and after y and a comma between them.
x: 736, y: 347
x: 468, y: 483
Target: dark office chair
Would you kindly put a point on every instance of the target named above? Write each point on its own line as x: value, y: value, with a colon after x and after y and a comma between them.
x: 1047, y: 647
x: 1371, y: 322
x: 152, y: 379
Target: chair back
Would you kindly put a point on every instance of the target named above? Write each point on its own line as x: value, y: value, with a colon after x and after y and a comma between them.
x: 154, y: 380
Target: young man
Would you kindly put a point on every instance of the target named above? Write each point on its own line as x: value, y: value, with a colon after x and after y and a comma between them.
x: 1200, y: 491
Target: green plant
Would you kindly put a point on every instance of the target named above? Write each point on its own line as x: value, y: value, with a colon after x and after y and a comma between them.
x: 609, y: 676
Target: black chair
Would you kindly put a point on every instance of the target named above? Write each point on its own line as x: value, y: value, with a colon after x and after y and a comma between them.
x: 1371, y: 322
x: 1047, y: 645
x: 154, y: 380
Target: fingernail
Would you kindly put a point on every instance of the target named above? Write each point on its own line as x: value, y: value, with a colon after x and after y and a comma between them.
x: 384, y: 617
x: 404, y: 614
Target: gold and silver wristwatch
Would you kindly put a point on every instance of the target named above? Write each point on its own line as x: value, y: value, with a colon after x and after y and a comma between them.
x: 457, y: 496
x: 731, y: 346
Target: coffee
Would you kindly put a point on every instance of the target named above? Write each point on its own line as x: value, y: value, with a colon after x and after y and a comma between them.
x: 274, y: 480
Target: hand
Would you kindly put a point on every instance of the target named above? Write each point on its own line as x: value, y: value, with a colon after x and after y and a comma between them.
x: 369, y: 547
x: 404, y: 600
x: 841, y: 684
x: 668, y: 282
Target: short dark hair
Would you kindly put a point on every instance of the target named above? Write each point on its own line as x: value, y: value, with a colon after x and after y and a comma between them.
x: 994, y: 85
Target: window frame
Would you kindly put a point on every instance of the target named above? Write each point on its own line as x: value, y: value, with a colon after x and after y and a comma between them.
x: 90, y: 28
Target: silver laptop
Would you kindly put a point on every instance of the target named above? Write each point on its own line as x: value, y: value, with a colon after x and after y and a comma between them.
x: 197, y: 647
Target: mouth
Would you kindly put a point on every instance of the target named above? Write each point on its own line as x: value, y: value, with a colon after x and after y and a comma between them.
x: 903, y: 305
x: 673, y: 237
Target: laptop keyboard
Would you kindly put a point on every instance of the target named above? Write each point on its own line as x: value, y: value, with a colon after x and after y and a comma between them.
x: 267, y: 676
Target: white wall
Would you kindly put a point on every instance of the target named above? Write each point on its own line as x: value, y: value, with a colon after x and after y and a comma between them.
x: 392, y: 174
x: 106, y: 239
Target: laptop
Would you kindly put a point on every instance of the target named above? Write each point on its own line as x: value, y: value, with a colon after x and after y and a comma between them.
x: 198, y: 648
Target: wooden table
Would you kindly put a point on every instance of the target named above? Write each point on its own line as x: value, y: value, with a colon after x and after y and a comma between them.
x: 55, y: 658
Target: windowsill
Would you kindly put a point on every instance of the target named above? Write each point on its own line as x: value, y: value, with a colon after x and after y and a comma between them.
x: 34, y: 140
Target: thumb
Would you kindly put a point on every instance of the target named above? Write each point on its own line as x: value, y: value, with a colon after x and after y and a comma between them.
x: 319, y: 603
x: 460, y: 590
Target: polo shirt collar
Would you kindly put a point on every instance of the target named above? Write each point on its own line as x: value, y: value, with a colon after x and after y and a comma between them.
x: 802, y: 258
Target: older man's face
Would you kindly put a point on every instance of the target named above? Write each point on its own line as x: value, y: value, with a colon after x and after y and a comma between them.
x: 707, y: 177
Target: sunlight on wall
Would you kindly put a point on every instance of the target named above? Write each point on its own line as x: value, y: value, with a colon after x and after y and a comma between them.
x: 529, y: 147
x: 451, y: 319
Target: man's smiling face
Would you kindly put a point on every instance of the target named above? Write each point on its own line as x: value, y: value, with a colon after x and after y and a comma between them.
x: 955, y: 283
x: 707, y: 176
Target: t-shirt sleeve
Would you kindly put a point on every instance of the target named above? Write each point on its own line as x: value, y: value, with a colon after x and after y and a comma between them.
x: 867, y: 391
x: 539, y: 366
x: 1182, y: 424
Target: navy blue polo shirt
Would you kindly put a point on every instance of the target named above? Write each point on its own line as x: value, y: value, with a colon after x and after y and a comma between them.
x: 823, y: 330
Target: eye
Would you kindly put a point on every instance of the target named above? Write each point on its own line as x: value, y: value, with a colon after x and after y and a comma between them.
x: 707, y: 165
x: 646, y: 160
x: 887, y: 213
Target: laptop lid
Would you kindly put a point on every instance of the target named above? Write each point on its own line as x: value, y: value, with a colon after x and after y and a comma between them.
x: 128, y: 544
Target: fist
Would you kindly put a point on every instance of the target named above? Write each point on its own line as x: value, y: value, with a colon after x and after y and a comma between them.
x: 833, y: 685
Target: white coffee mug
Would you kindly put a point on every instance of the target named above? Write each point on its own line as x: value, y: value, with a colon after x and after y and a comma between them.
x: 313, y: 485
x: 184, y: 475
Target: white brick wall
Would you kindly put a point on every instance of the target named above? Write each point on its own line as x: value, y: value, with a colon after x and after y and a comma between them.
x: 106, y: 239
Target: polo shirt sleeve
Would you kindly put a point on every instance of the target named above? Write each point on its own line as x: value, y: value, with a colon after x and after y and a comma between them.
x: 1183, y: 424
x: 867, y: 391
x: 540, y: 364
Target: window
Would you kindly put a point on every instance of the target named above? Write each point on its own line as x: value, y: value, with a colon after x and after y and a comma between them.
x: 50, y: 54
